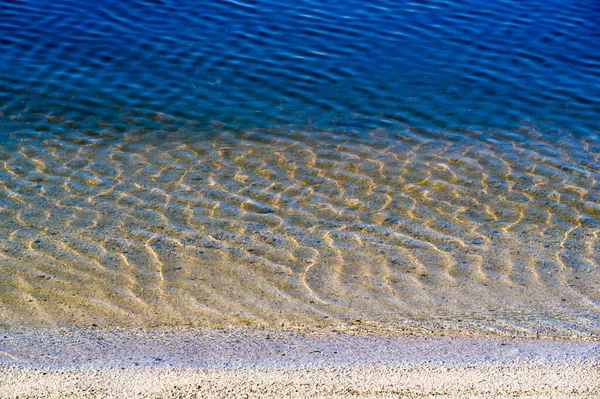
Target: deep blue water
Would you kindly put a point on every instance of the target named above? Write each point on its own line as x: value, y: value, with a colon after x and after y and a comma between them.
x: 73, y: 65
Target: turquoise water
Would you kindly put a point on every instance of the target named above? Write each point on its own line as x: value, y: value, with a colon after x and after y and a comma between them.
x: 391, y: 164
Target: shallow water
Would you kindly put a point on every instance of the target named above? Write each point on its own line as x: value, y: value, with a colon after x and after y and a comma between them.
x: 384, y: 165
x: 273, y: 227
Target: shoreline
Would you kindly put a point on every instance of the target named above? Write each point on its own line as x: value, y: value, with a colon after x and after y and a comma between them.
x: 238, y: 361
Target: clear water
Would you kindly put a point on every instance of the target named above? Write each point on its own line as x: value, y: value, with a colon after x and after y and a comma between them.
x: 301, y: 163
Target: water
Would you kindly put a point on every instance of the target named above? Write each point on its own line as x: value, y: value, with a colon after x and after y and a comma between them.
x: 265, y: 64
x: 390, y: 164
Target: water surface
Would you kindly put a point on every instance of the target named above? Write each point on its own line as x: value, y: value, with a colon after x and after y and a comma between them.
x: 272, y: 163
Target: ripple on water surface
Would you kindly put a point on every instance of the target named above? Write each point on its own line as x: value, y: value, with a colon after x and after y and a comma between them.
x: 439, y: 63
x: 495, y: 229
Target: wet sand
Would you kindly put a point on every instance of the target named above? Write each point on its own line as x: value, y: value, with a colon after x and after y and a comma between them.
x: 244, y: 362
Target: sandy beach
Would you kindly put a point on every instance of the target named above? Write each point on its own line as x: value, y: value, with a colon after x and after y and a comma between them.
x: 246, y: 363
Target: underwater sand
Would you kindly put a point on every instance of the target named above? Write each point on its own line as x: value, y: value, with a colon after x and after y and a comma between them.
x: 489, y: 232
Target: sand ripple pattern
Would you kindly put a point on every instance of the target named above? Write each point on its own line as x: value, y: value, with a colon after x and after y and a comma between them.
x: 496, y: 229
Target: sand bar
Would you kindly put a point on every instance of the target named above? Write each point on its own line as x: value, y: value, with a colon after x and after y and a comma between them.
x: 241, y: 362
